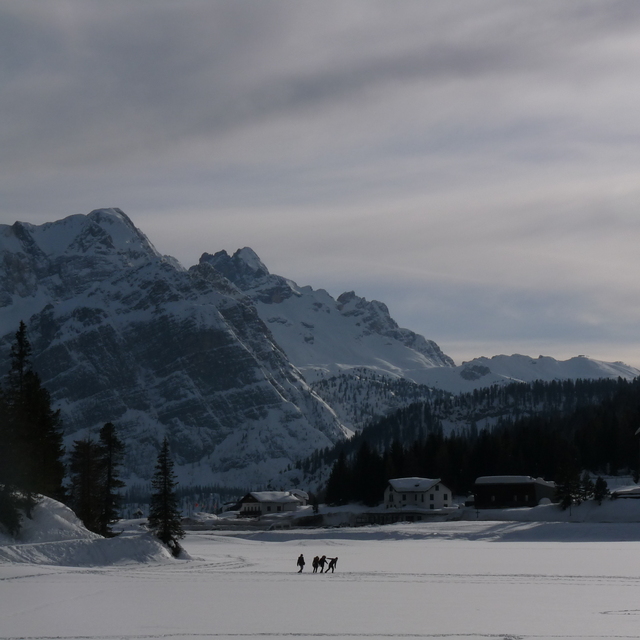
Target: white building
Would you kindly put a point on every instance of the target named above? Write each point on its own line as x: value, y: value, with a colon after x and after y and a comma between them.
x: 417, y: 493
x: 259, y: 503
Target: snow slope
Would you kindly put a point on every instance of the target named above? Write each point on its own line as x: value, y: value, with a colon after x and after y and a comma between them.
x: 322, y: 335
x: 55, y: 536
x: 503, y: 369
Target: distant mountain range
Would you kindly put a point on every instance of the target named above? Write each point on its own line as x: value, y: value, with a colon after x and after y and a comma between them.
x: 238, y: 367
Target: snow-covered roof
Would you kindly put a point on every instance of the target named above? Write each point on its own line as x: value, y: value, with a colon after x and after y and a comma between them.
x: 413, y: 484
x: 511, y: 480
x: 632, y: 491
x: 274, y: 496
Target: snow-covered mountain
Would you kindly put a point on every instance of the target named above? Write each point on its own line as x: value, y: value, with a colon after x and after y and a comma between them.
x: 326, y: 336
x: 503, y: 369
x: 122, y: 334
x: 244, y: 371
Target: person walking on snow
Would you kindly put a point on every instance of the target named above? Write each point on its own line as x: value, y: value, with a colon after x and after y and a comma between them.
x: 333, y: 563
x: 322, y: 562
x: 300, y: 563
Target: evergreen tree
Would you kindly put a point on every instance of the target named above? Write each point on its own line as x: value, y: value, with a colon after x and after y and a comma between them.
x: 601, y: 490
x: 30, y: 433
x: 339, y: 489
x: 86, y: 491
x: 587, y: 487
x: 569, y: 488
x: 10, y: 497
x: 164, y: 516
x: 369, y: 479
x: 112, y: 451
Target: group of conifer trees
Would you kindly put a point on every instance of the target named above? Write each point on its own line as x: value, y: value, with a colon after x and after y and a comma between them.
x: 30, y: 439
x: 94, y: 480
x: 32, y: 461
x: 599, y: 438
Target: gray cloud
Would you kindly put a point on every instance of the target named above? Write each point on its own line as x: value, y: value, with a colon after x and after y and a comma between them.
x: 481, y: 156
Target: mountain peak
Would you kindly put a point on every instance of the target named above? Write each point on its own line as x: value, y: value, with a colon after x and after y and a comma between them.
x: 251, y: 259
x: 244, y: 268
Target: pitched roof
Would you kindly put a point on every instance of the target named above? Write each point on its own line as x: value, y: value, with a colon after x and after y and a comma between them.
x: 413, y: 484
x: 274, y: 496
x: 511, y: 480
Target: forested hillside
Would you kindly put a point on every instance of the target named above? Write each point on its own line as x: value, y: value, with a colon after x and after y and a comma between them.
x: 540, y: 429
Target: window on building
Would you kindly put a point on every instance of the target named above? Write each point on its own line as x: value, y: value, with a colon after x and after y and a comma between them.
x: 268, y: 508
x: 431, y: 506
x: 432, y: 496
x: 437, y: 487
x: 404, y: 496
x: 422, y: 497
x: 445, y: 496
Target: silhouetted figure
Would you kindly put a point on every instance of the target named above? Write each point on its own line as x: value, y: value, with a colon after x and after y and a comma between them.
x: 333, y: 563
x: 315, y: 564
x: 300, y: 562
x: 322, y: 562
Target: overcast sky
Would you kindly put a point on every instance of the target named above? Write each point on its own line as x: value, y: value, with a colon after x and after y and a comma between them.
x: 474, y: 165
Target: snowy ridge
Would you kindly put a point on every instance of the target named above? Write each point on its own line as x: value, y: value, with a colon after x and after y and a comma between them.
x: 503, y: 369
x: 325, y: 336
x: 245, y: 371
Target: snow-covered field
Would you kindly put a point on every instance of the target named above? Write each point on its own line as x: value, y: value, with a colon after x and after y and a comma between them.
x: 467, y: 579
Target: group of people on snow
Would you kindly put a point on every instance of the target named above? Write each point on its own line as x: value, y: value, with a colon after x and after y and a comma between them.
x: 319, y: 562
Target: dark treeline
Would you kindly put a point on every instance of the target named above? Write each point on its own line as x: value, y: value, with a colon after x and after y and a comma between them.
x: 32, y: 454
x: 572, y: 435
x: 30, y: 439
x: 94, y: 492
x: 493, y: 405
x: 206, y: 496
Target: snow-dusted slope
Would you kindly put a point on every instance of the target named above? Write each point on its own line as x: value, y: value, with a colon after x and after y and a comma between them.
x: 502, y: 369
x: 325, y: 336
x: 122, y: 334
x: 55, y: 536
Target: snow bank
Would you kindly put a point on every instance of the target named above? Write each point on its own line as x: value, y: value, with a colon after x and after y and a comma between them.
x: 55, y: 536
x: 52, y: 522
x: 621, y: 510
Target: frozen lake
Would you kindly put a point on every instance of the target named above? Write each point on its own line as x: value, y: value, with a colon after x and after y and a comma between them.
x: 437, y: 580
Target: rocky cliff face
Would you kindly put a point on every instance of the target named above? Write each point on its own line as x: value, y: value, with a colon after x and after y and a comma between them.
x: 326, y: 336
x: 122, y: 334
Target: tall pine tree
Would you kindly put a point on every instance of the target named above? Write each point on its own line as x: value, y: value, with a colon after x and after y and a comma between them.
x: 339, y: 485
x: 30, y: 434
x: 10, y: 497
x: 112, y: 451
x: 164, y: 516
x: 86, y: 492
